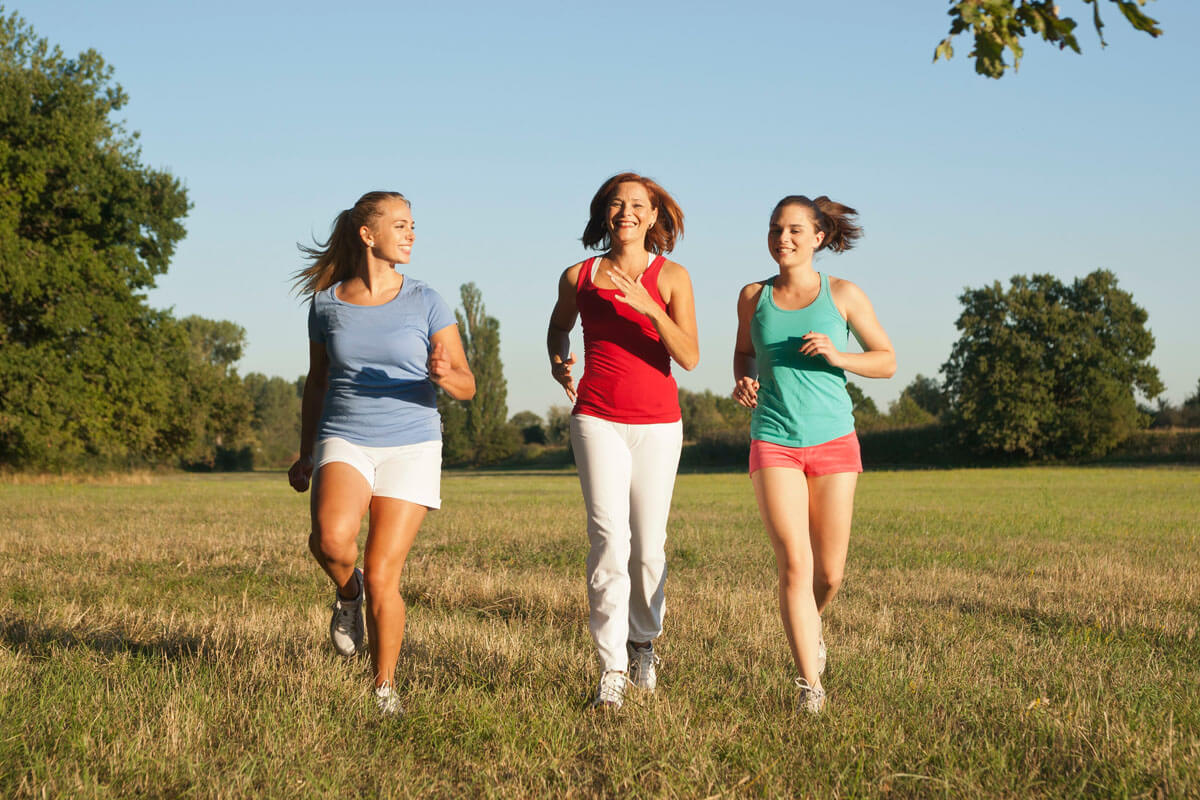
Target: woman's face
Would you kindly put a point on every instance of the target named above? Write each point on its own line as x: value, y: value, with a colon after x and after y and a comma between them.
x: 390, y: 235
x: 793, y: 236
x: 630, y: 213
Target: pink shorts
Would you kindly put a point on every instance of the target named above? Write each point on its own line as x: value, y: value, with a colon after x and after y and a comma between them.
x: 837, y: 455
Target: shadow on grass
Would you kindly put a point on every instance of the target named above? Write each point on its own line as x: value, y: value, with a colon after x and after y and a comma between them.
x: 43, y: 641
x: 1179, y: 647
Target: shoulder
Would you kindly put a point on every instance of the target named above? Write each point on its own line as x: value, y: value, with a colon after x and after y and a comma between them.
x: 752, y: 291
x: 844, y: 290
x: 674, y: 271
x: 571, y: 274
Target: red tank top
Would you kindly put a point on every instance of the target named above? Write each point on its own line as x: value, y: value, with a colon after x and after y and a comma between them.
x: 626, y: 368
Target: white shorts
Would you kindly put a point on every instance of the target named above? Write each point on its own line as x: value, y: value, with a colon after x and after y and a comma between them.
x: 411, y: 472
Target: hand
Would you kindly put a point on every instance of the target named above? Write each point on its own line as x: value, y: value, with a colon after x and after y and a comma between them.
x: 745, y: 391
x: 439, y: 364
x: 301, y: 473
x: 818, y: 344
x: 561, y: 370
x: 633, y: 293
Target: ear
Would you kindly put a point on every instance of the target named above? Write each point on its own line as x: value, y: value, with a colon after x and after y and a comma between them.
x: 367, y: 237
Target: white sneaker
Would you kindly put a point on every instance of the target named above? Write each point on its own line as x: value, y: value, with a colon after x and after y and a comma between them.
x: 821, y: 655
x: 812, y: 699
x: 386, y: 700
x: 611, y: 693
x: 642, y: 666
x: 346, y: 626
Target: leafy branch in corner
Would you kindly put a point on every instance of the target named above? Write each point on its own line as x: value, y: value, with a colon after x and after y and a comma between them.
x: 999, y: 25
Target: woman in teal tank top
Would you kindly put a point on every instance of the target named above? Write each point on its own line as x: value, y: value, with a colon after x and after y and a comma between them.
x: 789, y: 366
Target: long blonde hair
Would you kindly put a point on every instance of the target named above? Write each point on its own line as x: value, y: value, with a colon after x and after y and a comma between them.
x: 338, y: 257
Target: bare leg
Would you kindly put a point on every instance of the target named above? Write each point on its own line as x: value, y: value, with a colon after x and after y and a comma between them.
x: 339, y: 500
x: 830, y: 508
x: 394, y: 526
x: 782, y: 496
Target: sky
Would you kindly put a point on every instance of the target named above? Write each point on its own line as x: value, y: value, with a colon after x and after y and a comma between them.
x: 499, y: 122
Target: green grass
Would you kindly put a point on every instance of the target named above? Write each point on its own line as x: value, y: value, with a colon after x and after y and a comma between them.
x: 1007, y: 633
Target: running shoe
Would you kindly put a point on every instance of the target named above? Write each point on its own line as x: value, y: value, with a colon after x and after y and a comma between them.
x: 611, y: 693
x: 386, y: 700
x: 821, y: 654
x: 812, y: 699
x: 346, y: 627
x: 642, y: 666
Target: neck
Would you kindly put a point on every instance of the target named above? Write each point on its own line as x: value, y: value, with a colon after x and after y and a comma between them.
x: 377, y: 275
x: 632, y: 259
x: 797, y: 274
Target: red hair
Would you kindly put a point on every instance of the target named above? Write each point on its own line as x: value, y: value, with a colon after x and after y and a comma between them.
x: 659, y: 239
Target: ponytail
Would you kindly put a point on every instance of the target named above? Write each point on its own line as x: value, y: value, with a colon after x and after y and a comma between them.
x: 337, y: 258
x: 833, y: 219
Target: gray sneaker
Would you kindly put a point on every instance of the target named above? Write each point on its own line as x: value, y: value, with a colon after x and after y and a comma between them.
x: 642, y: 666
x: 346, y: 627
x: 812, y: 699
x: 611, y: 693
x: 386, y: 700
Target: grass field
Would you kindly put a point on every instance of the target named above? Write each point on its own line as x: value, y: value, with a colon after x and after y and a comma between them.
x: 1001, y: 633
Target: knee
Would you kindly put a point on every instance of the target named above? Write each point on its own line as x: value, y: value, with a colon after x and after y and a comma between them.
x: 337, y: 543
x: 794, y: 572
x: 828, y: 583
x: 381, y: 583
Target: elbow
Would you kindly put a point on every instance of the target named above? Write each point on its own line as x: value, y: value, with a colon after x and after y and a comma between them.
x: 689, y: 362
x: 889, y: 369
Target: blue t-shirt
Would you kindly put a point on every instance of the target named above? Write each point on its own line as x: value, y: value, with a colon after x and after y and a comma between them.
x: 379, y: 393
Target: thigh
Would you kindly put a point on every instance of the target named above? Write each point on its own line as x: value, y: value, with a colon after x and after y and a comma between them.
x: 782, y: 495
x: 605, y: 465
x: 340, y: 497
x: 393, y: 528
x: 655, y: 460
x: 830, y: 509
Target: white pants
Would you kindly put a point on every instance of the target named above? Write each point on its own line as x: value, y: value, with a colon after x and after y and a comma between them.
x: 627, y: 473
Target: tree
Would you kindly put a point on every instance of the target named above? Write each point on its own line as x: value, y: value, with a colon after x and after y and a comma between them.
x: 905, y: 412
x: 530, y: 425
x: 1045, y: 370
x: 477, y: 431
x: 866, y: 413
x: 999, y: 25
x: 926, y: 394
x: 276, y: 419
x: 85, y: 364
x: 216, y: 414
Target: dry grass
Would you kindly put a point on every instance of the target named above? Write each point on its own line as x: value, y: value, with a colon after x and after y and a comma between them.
x: 1013, y: 633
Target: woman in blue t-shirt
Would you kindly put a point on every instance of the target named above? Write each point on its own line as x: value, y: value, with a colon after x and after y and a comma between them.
x: 370, y: 434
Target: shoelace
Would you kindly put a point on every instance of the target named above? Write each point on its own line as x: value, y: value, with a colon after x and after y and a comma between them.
x: 810, y: 695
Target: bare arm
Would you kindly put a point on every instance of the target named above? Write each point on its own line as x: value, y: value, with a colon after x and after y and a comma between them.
x: 676, y: 325
x: 558, y: 336
x: 878, y: 359
x: 745, y: 365
x: 311, y: 404
x: 448, y: 366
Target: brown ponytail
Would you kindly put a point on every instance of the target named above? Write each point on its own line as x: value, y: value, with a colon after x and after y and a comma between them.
x: 336, y: 258
x: 833, y: 219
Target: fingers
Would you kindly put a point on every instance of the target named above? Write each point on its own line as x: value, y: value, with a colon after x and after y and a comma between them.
x: 299, y: 475
x: 745, y: 391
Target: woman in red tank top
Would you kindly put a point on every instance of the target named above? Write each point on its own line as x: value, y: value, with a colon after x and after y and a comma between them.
x: 638, y: 315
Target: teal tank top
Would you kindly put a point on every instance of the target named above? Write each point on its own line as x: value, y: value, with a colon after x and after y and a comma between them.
x: 802, y: 400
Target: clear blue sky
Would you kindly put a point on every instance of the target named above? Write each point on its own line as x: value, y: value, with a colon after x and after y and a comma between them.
x: 500, y: 120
